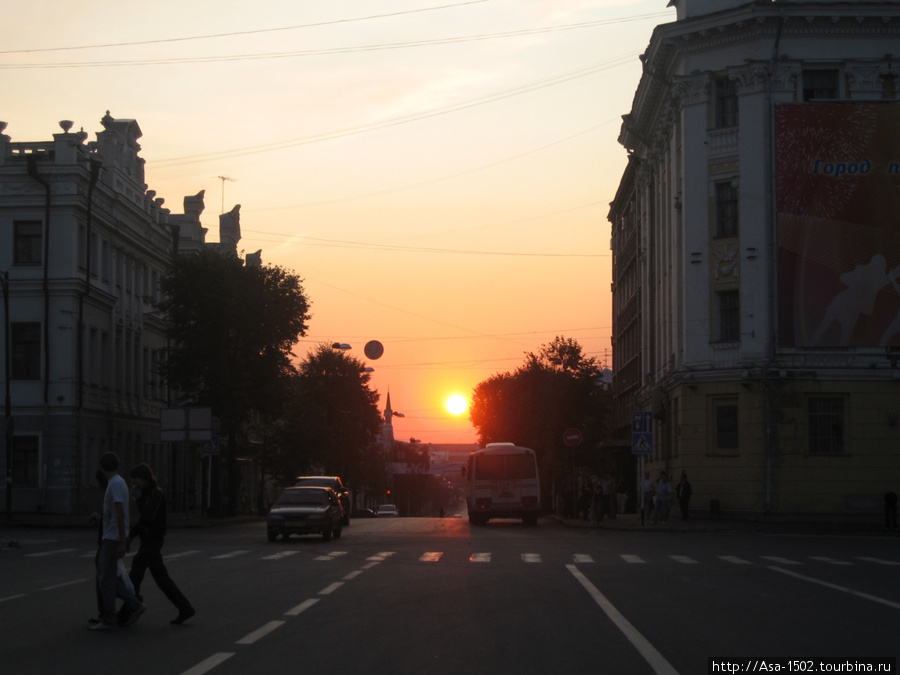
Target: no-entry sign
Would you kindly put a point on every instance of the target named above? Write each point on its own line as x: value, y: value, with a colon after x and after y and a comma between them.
x: 572, y: 437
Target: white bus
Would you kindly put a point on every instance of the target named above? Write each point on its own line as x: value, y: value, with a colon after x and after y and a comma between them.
x: 502, y: 482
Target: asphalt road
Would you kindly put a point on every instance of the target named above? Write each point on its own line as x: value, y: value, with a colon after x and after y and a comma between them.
x: 428, y: 595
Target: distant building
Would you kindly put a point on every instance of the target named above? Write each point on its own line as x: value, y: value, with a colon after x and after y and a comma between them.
x: 84, y: 245
x: 756, y: 255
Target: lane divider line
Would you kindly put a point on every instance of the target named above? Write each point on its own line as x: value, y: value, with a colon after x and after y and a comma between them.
x: 261, y: 632
x: 656, y: 660
x: 835, y: 587
x: 302, y: 607
x: 208, y: 664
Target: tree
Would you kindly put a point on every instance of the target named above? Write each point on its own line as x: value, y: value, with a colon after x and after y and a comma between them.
x: 555, y: 389
x: 332, y: 420
x: 231, y: 331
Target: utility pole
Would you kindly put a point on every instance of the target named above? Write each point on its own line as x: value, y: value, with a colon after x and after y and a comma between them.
x: 7, y: 420
x: 223, y: 179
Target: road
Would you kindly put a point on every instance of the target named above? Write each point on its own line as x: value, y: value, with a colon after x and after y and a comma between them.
x: 430, y: 595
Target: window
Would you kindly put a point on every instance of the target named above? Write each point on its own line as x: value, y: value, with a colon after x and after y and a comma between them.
x: 726, y: 421
x: 826, y: 425
x: 728, y: 316
x: 25, y: 452
x: 27, y: 239
x: 726, y: 209
x: 726, y: 113
x: 26, y: 351
x: 820, y: 84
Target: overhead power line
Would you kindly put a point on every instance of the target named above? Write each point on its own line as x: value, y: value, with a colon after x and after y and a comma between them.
x: 254, y: 56
x: 258, y: 31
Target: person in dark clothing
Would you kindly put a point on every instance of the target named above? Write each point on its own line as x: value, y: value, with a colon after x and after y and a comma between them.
x: 151, y: 528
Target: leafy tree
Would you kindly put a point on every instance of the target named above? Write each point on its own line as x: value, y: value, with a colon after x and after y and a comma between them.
x: 553, y: 390
x: 231, y: 331
x: 332, y: 420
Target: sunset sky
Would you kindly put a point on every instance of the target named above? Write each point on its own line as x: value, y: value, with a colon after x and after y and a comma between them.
x: 439, y: 172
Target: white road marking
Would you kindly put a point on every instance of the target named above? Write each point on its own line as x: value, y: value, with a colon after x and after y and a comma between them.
x: 233, y: 554
x: 353, y: 575
x: 279, y: 556
x: 480, y: 557
x: 735, y: 560
x: 179, y: 555
x: 633, y: 559
x: 331, y: 588
x: 330, y: 556
x: 261, y: 632
x: 830, y: 561
x: 877, y: 560
x: 302, y: 607
x: 12, y: 597
x: 843, y: 589
x: 46, y: 553
x: 531, y: 557
x: 67, y: 583
x: 656, y: 660
x: 782, y: 561
x: 582, y: 558
x: 208, y: 664
x: 683, y: 559
x: 431, y: 556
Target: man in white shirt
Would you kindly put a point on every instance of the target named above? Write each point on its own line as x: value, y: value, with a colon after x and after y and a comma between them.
x: 113, y: 546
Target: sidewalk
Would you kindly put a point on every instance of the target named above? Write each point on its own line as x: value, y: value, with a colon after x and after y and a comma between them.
x: 760, y: 525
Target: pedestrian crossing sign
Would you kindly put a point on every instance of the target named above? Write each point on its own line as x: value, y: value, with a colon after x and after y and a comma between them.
x: 641, y: 433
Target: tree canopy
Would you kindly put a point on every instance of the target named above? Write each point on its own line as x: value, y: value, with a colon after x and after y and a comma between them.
x: 332, y: 420
x: 555, y: 389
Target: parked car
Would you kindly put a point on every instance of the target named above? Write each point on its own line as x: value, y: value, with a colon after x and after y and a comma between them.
x: 333, y: 482
x: 387, y: 511
x: 363, y: 513
x: 305, y: 510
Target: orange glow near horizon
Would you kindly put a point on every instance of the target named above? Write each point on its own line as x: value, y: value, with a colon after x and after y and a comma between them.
x: 445, y: 193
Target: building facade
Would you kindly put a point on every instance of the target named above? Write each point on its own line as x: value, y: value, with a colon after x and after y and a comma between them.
x: 84, y: 245
x: 756, y: 245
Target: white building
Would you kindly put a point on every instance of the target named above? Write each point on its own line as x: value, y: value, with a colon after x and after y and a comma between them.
x: 84, y: 245
x: 756, y: 293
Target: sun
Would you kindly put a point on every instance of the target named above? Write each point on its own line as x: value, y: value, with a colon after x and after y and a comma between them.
x: 457, y: 404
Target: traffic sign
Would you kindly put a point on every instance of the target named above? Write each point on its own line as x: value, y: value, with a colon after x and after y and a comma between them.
x: 641, y: 433
x: 572, y: 437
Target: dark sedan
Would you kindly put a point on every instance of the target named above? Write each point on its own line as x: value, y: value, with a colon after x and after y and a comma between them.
x: 305, y: 510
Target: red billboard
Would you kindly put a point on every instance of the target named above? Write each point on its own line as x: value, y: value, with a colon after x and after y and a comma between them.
x: 838, y: 224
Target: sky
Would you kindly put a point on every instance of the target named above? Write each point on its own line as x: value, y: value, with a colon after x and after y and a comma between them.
x: 438, y: 172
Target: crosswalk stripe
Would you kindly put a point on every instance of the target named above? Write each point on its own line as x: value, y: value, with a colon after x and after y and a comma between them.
x: 179, y: 555
x: 431, y: 556
x: 531, y: 557
x: 279, y: 556
x: 233, y: 554
x: 633, y: 559
x: 830, y: 561
x: 684, y: 559
x: 480, y: 557
x: 582, y: 558
x: 734, y: 560
x: 46, y: 553
x: 782, y: 561
x: 877, y: 561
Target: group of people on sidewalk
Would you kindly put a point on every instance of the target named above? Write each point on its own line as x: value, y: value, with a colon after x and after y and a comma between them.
x: 658, y: 496
x: 115, y: 539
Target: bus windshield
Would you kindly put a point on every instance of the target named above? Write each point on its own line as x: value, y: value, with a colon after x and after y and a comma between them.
x: 504, y: 467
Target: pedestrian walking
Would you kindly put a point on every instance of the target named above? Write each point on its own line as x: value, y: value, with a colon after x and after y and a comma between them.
x: 683, y: 494
x: 113, y: 545
x: 124, y: 587
x: 663, y: 499
x: 151, y: 528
